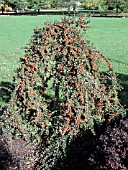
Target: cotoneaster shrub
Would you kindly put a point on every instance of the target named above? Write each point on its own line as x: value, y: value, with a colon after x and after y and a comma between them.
x: 60, y: 89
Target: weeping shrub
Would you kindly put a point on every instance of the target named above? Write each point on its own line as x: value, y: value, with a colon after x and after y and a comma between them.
x: 60, y: 89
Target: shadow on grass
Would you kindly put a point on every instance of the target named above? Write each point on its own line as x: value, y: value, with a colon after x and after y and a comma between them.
x: 6, y: 89
x: 123, y: 94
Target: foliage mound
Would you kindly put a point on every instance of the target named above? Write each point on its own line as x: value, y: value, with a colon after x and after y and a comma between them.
x: 60, y: 88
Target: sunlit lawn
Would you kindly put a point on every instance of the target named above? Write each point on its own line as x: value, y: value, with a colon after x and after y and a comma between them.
x: 110, y: 36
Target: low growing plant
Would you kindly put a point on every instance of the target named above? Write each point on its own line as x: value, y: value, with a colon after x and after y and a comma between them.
x: 60, y: 89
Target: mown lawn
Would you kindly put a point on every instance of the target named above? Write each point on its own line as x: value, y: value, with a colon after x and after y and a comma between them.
x: 109, y: 35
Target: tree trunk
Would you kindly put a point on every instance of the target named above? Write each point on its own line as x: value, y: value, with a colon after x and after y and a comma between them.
x: 38, y: 11
x: 117, y: 8
x: 2, y: 9
x: 56, y: 103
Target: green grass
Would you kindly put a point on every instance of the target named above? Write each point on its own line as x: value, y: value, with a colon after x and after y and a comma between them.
x: 109, y: 35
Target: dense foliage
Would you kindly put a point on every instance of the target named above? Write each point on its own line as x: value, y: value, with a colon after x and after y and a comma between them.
x: 118, y: 5
x: 60, y: 89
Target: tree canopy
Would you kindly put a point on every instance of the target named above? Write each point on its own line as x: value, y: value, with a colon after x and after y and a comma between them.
x: 119, y: 5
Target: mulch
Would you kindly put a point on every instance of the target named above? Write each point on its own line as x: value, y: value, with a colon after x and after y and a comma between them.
x: 16, y: 154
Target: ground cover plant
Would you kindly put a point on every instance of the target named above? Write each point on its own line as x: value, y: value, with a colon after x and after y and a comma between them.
x: 24, y: 62
x: 58, y: 58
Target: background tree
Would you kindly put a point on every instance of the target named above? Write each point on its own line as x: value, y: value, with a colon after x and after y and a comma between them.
x: 2, y: 6
x: 121, y: 5
x: 16, y: 4
x: 70, y: 3
x: 56, y: 3
x: 95, y: 4
x: 41, y: 4
x: 1, y: 2
x: 90, y: 4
